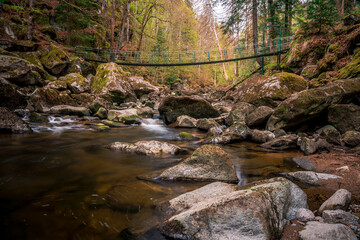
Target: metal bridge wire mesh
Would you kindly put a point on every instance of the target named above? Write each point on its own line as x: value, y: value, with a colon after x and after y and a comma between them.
x: 182, y: 57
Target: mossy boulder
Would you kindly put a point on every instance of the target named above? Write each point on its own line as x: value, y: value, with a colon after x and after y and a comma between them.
x: 310, y: 105
x: 205, y: 124
x: 10, y: 96
x: 42, y: 99
x: 344, y: 117
x: 111, y: 83
x: 55, y: 60
x: 76, y: 83
x: 239, y: 112
x: 101, y: 113
x: 20, y: 72
x: 80, y: 66
x: 128, y: 116
x: 351, y: 138
x: 70, y: 110
x: 172, y: 107
x: 271, y: 91
x: 352, y: 69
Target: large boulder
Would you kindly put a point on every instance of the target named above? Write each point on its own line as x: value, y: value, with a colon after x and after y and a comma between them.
x: 259, y: 116
x: 239, y: 112
x: 323, y: 231
x: 193, y: 106
x: 309, y: 105
x: 42, y: 99
x: 20, y: 72
x: 150, y: 148
x: 352, y: 69
x: 141, y: 87
x: 207, y: 163
x: 344, y: 117
x: 271, y: 91
x: 340, y: 216
x: 10, y: 96
x: 222, y: 211
x: 54, y: 60
x: 11, y: 123
x: 111, y: 83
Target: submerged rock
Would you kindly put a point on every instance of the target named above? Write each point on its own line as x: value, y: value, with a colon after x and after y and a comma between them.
x: 207, y: 163
x: 223, y: 211
x: 323, y: 231
x: 150, y: 148
x: 11, y: 123
x: 309, y: 105
x: 172, y: 107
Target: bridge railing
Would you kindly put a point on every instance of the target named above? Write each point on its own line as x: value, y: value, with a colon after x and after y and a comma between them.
x: 183, y: 57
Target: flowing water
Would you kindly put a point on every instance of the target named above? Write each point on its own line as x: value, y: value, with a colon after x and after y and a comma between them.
x: 61, y: 182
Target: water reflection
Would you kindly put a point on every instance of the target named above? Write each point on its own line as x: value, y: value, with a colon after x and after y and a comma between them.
x: 68, y: 186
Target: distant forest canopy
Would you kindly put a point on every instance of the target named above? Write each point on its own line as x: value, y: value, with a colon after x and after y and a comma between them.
x: 181, y: 25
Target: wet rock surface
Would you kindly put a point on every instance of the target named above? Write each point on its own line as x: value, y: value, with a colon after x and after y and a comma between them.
x: 150, y: 148
x: 11, y: 123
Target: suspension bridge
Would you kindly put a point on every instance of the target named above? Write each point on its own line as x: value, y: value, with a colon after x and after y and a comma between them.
x: 274, y: 47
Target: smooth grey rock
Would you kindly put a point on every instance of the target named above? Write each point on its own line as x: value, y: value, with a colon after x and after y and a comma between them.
x: 259, y: 116
x: 207, y: 163
x: 150, y: 148
x: 185, y: 122
x: 323, y: 231
x: 305, y: 215
x: 282, y: 143
x: 340, y: 216
x: 339, y: 200
x: 305, y: 164
x: 222, y: 211
x: 310, y: 177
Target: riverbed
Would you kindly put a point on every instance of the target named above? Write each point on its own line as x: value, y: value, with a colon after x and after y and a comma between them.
x: 61, y: 181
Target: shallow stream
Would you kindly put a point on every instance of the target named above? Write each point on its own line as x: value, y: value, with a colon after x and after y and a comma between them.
x: 61, y: 182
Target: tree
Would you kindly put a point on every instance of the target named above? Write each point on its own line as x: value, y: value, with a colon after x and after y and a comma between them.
x: 320, y: 13
x: 31, y: 20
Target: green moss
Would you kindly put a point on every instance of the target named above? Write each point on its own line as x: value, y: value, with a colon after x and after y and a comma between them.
x: 102, y: 72
x: 352, y: 69
x: 131, y: 119
x: 54, y: 56
x: 186, y: 136
x: 102, y: 128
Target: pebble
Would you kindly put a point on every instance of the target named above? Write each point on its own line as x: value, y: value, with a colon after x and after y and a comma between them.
x: 344, y: 169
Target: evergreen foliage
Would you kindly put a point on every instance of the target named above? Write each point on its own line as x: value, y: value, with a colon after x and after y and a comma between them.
x: 320, y: 13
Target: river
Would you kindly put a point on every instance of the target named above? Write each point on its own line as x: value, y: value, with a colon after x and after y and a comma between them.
x: 61, y: 182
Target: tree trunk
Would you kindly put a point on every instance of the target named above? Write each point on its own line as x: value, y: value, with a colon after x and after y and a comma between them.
x: 135, y: 20
x: 31, y: 20
x: 254, y: 27
x: 112, y: 42
x: 342, y: 7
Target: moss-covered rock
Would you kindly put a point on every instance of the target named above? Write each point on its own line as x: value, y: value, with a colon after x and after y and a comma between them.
x: 101, y: 113
x: 111, y: 83
x: 309, y: 105
x: 42, y: 99
x: 172, y: 107
x: 205, y: 124
x: 352, y: 69
x: 272, y: 90
x: 102, y: 127
x: 55, y: 60
x: 33, y: 58
x: 19, y: 71
x: 186, y: 136
x: 70, y: 110
x: 38, y: 118
x: 76, y: 83
x: 351, y: 138
x: 80, y: 66
x: 128, y: 116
